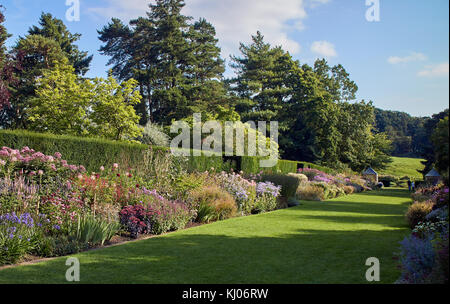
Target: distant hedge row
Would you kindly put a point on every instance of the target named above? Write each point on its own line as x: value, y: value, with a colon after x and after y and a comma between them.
x: 96, y: 152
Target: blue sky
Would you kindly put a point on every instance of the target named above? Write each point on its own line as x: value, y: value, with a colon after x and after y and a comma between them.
x: 400, y: 63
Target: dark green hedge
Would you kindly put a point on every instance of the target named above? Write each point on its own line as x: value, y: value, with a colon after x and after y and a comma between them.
x: 96, y: 152
x: 89, y: 152
x: 251, y: 165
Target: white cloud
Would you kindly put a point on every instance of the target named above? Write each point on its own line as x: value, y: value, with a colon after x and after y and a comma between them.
x: 412, y: 57
x: 235, y: 20
x: 437, y: 70
x: 323, y: 48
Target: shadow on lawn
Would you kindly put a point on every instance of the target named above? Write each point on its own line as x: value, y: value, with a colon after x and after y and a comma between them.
x: 329, y: 254
x: 392, y: 192
x: 309, y: 256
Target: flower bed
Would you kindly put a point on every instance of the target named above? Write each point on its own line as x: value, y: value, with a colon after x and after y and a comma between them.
x: 49, y: 207
x: 321, y: 186
x: 424, y: 254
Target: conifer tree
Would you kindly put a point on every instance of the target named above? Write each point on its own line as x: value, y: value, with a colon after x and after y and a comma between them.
x: 54, y: 29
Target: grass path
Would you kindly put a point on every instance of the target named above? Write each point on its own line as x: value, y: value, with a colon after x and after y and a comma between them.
x: 317, y: 242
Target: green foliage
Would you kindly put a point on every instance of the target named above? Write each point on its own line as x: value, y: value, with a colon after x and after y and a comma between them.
x: 417, y: 212
x: 176, y: 62
x: 429, y: 152
x: 65, y: 104
x: 307, y: 232
x: 213, y: 204
x: 55, y: 30
x: 441, y: 146
x: 58, y: 245
x: 61, y: 103
x: 154, y: 135
x: 289, y: 184
x: 251, y: 165
x: 407, y: 133
x: 90, y: 152
x: 94, y: 153
x: 312, y: 192
x: 90, y: 230
x: 270, y: 85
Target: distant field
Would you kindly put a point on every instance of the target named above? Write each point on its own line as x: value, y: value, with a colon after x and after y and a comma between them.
x: 404, y: 167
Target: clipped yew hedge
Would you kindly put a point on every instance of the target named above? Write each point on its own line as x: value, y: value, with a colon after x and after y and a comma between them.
x: 96, y: 152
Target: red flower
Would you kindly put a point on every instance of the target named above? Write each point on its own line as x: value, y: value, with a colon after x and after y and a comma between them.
x: 118, y: 174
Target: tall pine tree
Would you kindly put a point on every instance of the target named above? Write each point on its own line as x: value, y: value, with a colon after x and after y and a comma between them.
x: 54, y: 29
x: 176, y: 62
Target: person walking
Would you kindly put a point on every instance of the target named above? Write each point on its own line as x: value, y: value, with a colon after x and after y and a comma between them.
x: 413, y: 186
x: 409, y: 185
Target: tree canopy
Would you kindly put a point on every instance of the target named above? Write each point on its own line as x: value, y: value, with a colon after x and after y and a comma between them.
x: 166, y: 66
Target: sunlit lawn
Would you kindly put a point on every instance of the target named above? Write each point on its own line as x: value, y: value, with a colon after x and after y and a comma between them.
x: 317, y: 242
x: 401, y: 167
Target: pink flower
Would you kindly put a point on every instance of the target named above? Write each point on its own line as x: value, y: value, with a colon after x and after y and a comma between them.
x: 115, y: 166
x: 40, y: 172
x: 102, y: 168
x: 58, y: 155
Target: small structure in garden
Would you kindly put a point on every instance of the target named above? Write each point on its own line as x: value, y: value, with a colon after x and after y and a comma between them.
x: 433, y: 177
x: 371, y: 174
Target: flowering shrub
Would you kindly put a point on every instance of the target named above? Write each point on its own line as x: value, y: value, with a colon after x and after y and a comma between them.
x: 35, y: 166
x: 18, y: 236
x: 310, y: 192
x: 170, y: 216
x: 137, y: 219
x: 322, y: 186
x: 62, y: 211
x: 417, y: 259
x: 424, y: 257
x: 243, y: 190
x: 154, y: 219
x: 212, y: 204
x: 266, y: 197
x: 429, y: 229
x: 18, y: 195
x: 417, y: 212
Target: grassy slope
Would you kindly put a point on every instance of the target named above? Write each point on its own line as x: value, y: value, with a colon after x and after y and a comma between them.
x: 326, y: 242
x: 401, y: 167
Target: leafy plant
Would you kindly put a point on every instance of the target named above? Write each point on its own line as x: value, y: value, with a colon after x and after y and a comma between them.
x: 18, y: 236
x: 417, y: 213
x: 417, y: 258
x: 213, y: 203
x: 93, y: 231
x: 154, y: 135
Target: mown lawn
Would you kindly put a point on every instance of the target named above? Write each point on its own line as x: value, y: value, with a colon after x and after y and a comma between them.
x: 401, y: 167
x: 317, y: 242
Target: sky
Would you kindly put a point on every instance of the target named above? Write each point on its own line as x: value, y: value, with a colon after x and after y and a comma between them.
x: 397, y: 51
